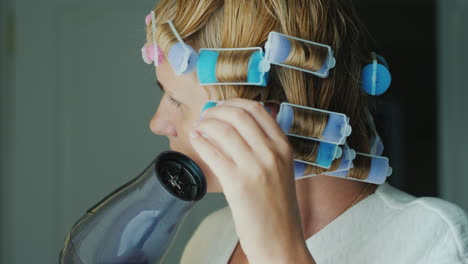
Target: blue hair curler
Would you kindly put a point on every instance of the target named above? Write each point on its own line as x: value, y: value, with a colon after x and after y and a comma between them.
x: 182, y: 57
x: 335, y: 132
x: 326, y: 154
x: 346, y: 163
x: 378, y: 173
x: 185, y: 63
x: 209, y: 104
x: 257, y: 73
x: 278, y: 47
x: 376, y: 77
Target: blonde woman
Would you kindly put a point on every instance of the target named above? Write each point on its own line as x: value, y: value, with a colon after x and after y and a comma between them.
x: 271, y: 218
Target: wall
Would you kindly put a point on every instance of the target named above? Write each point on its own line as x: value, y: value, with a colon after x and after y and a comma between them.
x: 453, y: 99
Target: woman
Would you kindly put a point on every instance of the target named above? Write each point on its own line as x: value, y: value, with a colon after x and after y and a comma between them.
x: 245, y: 155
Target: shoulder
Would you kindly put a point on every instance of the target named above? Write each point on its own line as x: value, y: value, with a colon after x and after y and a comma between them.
x: 442, y: 224
x: 213, y: 222
x: 442, y: 211
x: 214, y: 228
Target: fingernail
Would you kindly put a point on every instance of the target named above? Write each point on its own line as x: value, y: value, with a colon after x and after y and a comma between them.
x: 194, y: 134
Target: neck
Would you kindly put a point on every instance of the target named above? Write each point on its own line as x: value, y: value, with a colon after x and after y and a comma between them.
x: 322, y: 198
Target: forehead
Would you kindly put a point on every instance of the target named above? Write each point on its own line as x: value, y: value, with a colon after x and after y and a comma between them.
x: 175, y: 84
x: 166, y: 78
x: 164, y: 71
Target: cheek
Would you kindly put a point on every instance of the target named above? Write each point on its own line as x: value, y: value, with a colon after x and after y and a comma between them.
x: 185, y: 122
x: 213, y: 185
x: 184, y: 145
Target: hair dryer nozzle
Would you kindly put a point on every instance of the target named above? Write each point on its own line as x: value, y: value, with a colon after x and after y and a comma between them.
x: 180, y: 175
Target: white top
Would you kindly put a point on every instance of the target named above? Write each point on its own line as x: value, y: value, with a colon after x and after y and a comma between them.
x: 389, y: 226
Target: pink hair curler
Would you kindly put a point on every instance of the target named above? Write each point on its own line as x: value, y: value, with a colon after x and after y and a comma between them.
x: 147, y: 53
x: 148, y: 19
x: 153, y: 52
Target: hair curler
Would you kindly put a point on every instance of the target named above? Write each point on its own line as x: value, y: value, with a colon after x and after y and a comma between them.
x: 153, y: 52
x: 278, y: 48
x: 378, y: 172
x: 257, y: 68
x: 335, y: 132
x: 376, y: 77
x: 326, y: 154
x: 137, y: 222
x: 346, y: 163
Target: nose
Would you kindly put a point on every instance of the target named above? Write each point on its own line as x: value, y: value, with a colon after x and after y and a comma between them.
x: 162, y: 126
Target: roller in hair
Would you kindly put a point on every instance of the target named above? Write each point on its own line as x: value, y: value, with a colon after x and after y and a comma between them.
x: 378, y: 172
x: 257, y: 67
x: 336, y: 130
x: 278, y: 48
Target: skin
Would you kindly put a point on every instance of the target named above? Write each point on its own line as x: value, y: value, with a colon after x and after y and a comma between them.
x: 245, y: 155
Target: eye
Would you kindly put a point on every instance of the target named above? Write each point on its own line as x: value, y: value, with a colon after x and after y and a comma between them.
x: 174, y: 101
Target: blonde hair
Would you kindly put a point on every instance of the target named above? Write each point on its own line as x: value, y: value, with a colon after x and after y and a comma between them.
x: 246, y: 23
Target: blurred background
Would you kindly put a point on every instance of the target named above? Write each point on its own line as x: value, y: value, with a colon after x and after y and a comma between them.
x: 76, y: 100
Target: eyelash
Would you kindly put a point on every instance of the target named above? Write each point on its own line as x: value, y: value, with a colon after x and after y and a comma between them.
x: 174, y: 101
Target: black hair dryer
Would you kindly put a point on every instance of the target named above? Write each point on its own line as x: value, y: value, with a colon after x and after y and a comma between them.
x: 138, y: 221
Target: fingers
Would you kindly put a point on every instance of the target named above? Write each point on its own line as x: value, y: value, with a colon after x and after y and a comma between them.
x: 242, y: 121
x: 240, y: 133
x: 226, y: 138
x: 219, y: 162
x: 249, y: 114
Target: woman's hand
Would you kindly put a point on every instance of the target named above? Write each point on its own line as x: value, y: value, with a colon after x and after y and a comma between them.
x: 253, y: 161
